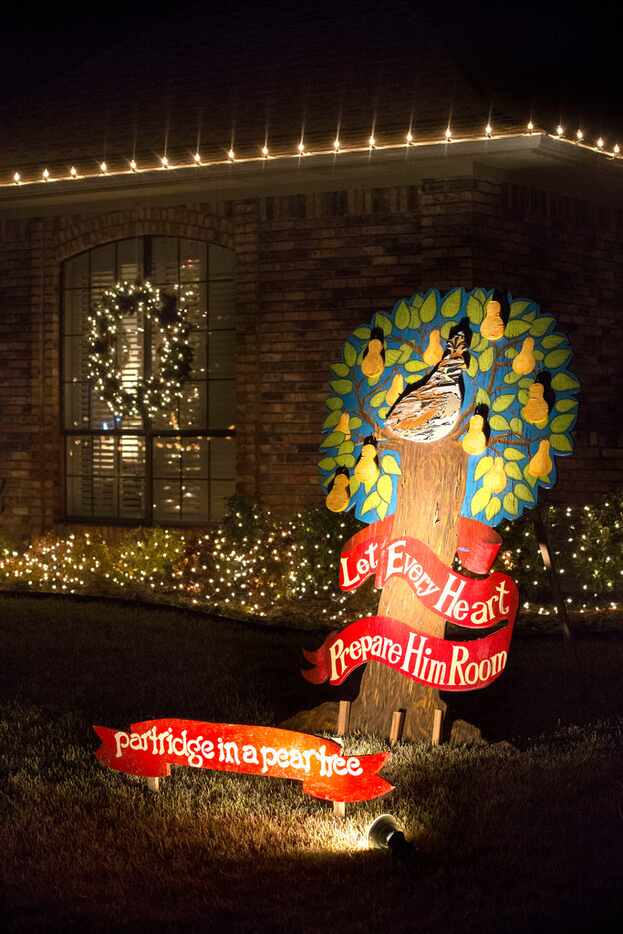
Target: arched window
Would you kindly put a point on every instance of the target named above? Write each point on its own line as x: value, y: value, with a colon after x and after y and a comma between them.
x: 180, y: 469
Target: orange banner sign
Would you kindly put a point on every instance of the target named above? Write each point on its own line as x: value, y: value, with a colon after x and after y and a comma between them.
x: 150, y: 748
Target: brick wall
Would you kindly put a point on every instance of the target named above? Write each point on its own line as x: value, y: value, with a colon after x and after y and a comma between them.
x: 311, y: 267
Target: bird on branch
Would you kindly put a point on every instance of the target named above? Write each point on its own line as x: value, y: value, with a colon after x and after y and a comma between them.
x: 429, y: 410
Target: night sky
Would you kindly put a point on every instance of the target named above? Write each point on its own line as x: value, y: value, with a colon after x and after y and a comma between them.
x: 565, y: 63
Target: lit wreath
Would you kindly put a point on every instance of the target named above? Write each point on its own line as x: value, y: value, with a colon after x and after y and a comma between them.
x: 159, y: 392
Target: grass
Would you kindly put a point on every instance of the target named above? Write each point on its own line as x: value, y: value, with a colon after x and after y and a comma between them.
x: 521, y: 837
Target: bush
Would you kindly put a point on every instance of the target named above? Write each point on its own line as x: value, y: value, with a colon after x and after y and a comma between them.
x: 255, y: 565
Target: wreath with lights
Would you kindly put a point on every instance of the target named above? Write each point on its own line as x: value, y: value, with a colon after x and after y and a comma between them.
x: 162, y: 390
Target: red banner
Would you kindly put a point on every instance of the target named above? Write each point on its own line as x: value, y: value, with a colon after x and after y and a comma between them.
x: 150, y: 748
x: 465, y: 601
x: 438, y: 663
x: 472, y: 603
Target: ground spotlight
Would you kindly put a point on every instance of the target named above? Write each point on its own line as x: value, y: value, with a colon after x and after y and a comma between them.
x: 385, y: 834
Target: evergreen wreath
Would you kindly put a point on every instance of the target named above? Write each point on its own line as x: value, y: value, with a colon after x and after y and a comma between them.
x: 160, y: 391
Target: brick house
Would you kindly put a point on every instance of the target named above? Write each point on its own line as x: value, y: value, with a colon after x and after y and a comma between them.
x: 289, y: 250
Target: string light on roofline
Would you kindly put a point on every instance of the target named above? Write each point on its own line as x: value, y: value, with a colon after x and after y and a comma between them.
x: 372, y: 143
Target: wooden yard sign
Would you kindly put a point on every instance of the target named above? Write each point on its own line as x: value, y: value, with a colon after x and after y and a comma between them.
x: 150, y: 748
x: 446, y: 416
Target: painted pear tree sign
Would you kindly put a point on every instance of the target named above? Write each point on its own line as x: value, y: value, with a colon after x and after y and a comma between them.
x: 446, y: 416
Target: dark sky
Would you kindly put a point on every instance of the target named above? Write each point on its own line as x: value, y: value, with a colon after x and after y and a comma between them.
x: 563, y: 60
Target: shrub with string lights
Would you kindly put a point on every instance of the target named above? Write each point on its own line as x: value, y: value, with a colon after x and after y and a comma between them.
x: 254, y: 565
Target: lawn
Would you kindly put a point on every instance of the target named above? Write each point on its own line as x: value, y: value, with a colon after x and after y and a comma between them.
x: 523, y: 835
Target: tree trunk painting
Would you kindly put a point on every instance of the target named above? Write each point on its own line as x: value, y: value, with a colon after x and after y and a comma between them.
x: 430, y: 492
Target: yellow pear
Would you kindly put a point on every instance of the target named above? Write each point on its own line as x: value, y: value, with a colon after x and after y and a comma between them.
x: 372, y: 364
x: 366, y: 468
x: 434, y: 351
x: 492, y: 327
x: 475, y: 441
x: 344, y: 425
x: 395, y: 390
x: 536, y: 409
x: 525, y: 361
x: 541, y: 464
x: 495, y: 478
x: 338, y: 496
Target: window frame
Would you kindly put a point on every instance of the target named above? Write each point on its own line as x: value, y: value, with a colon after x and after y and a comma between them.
x: 148, y: 434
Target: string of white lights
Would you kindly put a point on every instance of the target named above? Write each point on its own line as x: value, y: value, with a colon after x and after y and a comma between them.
x: 373, y: 144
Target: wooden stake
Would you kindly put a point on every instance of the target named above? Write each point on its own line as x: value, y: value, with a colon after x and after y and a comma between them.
x: 437, y: 725
x: 343, y: 719
x: 398, y: 722
x: 550, y: 566
x: 153, y: 784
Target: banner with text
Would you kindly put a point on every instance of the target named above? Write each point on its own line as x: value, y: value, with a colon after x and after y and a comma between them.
x: 437, y: 663
x: 150, y: 748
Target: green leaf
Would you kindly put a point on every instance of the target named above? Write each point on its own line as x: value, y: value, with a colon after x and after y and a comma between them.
x: 483, y: 398
x: 510, y: 504
x: 429, y: 308
x: 378, y: 399
x: 541, y: 325
x: 513, y: 470
x: 452, y: 303
x: 513, y: 454
x: 445, y: 329
x: 479, y: 500
x: 363, y: 333
x: 512, y: 377
x: 342, y: 386
x: 402, y: 316
x: 345, y: 460
x: 522, y: 395
x: 493, y: 507
x: 485, y: 360
x: 556, y: 358
x: 472, y: 369
x: 562, y: 423
x: 381, y: 510
x: 530, y: 480
x: 332, y: 440
x: 516, y: 327
x: 384, y: 486
x: 561, y: 443
x: 511, y: 352
x: 390, y: 465
x: 498, y: 423
x: 415, y: 366
x: 347, y: 447
x: 332, y: 419
x: 391, y: 356
x: 475, y: 310
x: 350, y: 356
x: 371, y: 502
x: 334, y: 403
x: 340, y: 369
x: 327, y: 463
x: 383, y: 412
x: 552, y: 340
x: 405, y: 353
x: 415, y: 319
x: 355, y: 422
x: 383, y: 322
x: 565, y: 381
x: 523, y: 492
x: 565, y: 405
x: 354, y: 484
x: 517, y: 308
x: 483, y: 466
x: 516, y: 426
x: 502, y: 402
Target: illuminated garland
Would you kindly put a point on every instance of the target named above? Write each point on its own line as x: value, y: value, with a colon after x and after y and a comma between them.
x: 159, y: 392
